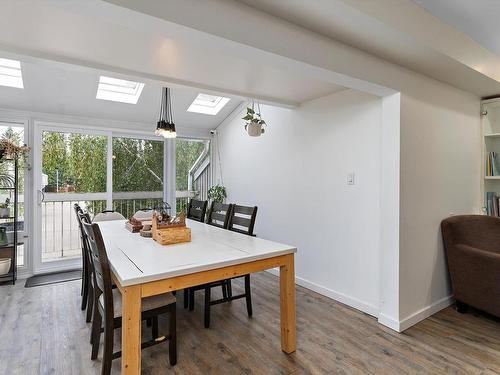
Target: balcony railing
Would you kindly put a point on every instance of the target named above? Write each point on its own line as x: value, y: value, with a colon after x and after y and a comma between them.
x: 60, y: 232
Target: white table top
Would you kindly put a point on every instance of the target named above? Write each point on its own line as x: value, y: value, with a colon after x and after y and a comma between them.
x: 135, y: 259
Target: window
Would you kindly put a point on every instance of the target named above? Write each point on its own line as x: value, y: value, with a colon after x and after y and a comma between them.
x: 10, y: 73
x: 73, y: 162
x: 208, y: 104
x: 137, y: 174
x: 193, y: 172
x: 119, y: 90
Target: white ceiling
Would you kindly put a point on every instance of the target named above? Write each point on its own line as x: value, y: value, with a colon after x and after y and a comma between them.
x: 404, y: 33
x: 97, y: 34
x: 479, y: 19
x: 52, y: 87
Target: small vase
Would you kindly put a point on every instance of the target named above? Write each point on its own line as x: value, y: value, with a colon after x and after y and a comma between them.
x: 5, y: 212
x: 254, y: 129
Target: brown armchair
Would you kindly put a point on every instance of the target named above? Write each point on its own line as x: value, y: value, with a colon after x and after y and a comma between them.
x: 472, y: 244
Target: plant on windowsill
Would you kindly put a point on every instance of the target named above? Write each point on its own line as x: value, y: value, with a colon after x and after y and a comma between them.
x: 217, y: 193
x: 254, y: 123
x: 4, y: 208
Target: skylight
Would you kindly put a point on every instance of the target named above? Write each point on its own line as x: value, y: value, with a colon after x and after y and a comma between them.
x: 10, y: 73
x: 119, y: 90
x: 208, y: 104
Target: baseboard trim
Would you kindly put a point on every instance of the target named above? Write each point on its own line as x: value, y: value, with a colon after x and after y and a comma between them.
x: 389, y: 322
x: 424, y: 313
x: 337, y: 296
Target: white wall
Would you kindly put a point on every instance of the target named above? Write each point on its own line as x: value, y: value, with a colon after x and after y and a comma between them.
x: 296, y: 174
x: 440, y: 175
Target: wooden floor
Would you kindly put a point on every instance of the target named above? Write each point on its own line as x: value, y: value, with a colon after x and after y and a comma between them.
x: 42, y: 331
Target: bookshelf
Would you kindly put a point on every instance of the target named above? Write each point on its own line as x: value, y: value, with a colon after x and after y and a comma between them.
x: 490, y: 123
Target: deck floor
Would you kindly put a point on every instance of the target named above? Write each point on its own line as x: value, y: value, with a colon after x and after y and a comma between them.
x: 43, y: 331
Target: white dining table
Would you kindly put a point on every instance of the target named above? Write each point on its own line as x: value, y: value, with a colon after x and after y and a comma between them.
x: 141, y: 267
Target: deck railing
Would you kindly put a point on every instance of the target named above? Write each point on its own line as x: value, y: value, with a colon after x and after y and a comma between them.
x: 60, y: 232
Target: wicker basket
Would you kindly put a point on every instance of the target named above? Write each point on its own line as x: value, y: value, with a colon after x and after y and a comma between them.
x: 170, y: 234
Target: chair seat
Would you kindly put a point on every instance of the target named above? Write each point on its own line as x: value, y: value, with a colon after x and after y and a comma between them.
x: 148, y: 303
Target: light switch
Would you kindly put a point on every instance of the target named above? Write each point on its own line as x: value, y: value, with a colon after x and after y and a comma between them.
x: 350, y: 179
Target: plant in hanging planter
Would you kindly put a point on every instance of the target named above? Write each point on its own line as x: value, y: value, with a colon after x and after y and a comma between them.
x: 4, y: 208
x: 217, y: 193
x: 254, y: 123
x: 12, y: 150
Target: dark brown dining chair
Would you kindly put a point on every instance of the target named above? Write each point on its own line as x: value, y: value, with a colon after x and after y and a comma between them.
x: 218, y: 216
x: 196, y: 210
x: 242, y: 220
x: 86, y: 290
x: 108, y: 310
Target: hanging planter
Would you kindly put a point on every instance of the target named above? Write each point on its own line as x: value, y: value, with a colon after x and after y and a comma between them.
x: 254, y: 126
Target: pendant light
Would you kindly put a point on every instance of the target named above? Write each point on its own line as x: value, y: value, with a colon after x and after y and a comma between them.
x: 165, y: 125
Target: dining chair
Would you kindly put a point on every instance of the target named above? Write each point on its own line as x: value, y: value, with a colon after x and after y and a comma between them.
x: 108, y: 310
x: 241, y: 220
x: 108, y: 215
x: 93, y: 298
x: 218, y: 216
x: 196, y: 210
x: 86, y: 291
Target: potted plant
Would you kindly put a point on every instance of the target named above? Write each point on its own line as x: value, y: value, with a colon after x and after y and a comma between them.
x: 12, y: 150
x: 4, y: 208
x: 217, y: 193
x: 254, y: 123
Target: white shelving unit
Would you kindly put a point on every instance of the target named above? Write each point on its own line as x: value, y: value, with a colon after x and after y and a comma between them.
x: 490, y: 116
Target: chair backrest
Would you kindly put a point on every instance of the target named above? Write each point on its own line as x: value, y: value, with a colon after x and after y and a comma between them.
x: 242, y: 219
x: 218, y: 215
x: 480, y: 231
x: 108, y: 216
x: 99, y: 258
x: 196, y: 210
x: 78, y: 212
x: 77, y: 209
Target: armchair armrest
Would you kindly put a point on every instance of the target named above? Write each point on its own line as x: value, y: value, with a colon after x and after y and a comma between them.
x: 475, y: 276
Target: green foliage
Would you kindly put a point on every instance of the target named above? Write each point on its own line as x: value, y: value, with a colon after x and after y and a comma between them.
x: 137, y: 165
x: 86, y: 164
x: 79, y: 160
x: 54, y: 157
x: 7, y: 169
x: 251, y: 116
x: 5, y: 204
x: 186, y: 152
x: 217, y: 193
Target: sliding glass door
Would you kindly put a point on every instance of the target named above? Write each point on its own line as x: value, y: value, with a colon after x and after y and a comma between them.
x: 99, y: 170
x: 70, y: 167
x: 105, y: 170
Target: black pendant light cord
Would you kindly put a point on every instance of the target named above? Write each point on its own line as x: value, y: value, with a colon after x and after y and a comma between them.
x: 162, y: 111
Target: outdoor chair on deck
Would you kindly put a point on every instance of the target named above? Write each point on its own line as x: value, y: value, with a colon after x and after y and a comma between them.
x: 108, y: 215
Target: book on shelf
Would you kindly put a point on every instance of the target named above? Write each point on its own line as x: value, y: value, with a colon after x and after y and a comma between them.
x: 492, y: 204
x: 492, y: 167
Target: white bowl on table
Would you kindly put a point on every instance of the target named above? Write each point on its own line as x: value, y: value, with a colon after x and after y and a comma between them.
x: 4, y: 265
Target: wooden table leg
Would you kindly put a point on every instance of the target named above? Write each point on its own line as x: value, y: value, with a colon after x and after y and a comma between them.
x: 287, y: 305
x: 131, y: 330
